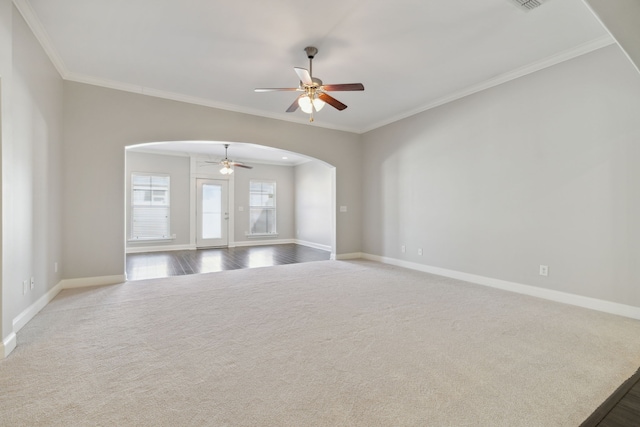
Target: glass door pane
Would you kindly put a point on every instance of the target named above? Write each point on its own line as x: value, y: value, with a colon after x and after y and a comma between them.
x: 211, y: 211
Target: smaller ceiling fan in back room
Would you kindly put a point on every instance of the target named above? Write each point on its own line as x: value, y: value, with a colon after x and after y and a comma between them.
x: 314, y: 94
x: 226, y: 163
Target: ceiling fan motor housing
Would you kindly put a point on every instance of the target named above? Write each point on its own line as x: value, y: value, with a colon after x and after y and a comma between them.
x: 311, y: 51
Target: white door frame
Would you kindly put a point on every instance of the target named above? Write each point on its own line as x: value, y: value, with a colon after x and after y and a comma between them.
x: 200, y: 168
x: 223, y: 240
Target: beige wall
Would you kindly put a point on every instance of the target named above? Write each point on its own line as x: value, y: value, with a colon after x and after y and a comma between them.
x: 285, y: 218
x: 178, y: 168
x: 32, y: 93
x: 304, y: 199
x: 6, y: 38
x: 540, y: 170
x: 100, y: 122
x: 314, y: 203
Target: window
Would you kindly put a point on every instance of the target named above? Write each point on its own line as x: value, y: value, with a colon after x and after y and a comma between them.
x: 149, y: 207
x: 262, y: 207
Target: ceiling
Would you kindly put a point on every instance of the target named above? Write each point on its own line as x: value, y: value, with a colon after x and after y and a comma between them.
x: 410, y: 55
x: 214, y: 151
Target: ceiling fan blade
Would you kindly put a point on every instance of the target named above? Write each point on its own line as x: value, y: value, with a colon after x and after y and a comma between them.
x: 303, y: 75
x: 343, y: 87
x: 332, y: 101
x: 241, y: 165
x: 276, y: 89
x: 293, y: 107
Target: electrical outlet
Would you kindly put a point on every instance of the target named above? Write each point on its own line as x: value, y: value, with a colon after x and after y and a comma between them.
x: 544, y: 270
x: 55, y: 267
x: 419, y: 251
x: 403, y: 248
x: 33, y: 283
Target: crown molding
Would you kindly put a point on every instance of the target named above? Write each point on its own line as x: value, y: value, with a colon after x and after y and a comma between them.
x: 24, y: 7
x: 142, y: 90
x: 29, y: 15
x: 550, y: 61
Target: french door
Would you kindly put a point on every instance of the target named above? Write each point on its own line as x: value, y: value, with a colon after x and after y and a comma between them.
x: 212, y: 215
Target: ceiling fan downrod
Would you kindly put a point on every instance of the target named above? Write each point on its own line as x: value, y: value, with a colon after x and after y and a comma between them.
x: 311, y: 53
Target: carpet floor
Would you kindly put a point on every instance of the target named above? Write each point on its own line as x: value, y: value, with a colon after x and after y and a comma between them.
x: 327, y: 343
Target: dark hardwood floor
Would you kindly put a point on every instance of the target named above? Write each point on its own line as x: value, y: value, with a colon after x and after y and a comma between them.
x: 621, y: 409
x: 151, y: 265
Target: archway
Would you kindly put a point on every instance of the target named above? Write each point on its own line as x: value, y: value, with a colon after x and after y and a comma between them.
x: 306, y: 194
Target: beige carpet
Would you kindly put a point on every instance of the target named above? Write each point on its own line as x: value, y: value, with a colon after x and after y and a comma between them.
x: 325, y: 343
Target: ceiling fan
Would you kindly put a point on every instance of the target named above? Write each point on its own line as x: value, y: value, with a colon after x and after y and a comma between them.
x: 314, y: 94
x: 226, y: 163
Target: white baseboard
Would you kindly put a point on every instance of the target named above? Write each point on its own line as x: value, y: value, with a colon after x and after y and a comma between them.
x: 8, y: 344
x: 86, y: 282
x: 142, y: 249
x: 548, y: 294
x: 313, y: 245
x: 262, y: 242
x: 29, y: 313
x: 354, y: 255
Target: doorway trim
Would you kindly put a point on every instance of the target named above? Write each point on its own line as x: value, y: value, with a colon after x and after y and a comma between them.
x: 222, y: 241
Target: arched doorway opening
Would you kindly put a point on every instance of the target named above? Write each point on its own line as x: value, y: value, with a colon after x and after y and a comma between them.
x: 165, y: 186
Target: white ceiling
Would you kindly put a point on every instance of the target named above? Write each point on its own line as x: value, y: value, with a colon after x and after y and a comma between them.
x: 215, y: 151
x: 410, y: 55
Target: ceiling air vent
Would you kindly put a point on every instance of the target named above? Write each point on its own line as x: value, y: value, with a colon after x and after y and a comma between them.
x: 527, y: 5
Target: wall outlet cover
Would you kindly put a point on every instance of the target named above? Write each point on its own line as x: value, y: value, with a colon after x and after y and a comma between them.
x: 544, y: 270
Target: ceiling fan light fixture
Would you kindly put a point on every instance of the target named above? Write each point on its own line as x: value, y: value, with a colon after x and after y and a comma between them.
x: 318, y: 104
x: 315, y: 92
x: 226, y: 170
x: 305, y: 104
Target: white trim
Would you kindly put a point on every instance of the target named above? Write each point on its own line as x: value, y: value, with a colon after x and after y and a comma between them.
x: 29, y: 313
x: 558, y: 58
x: 354, y: 255
x: 9, y: 344
x: 141, y: 249
x: 606, y: 27
x: 86, y: 282
x: 30, y: 17
x: 259, y: 235
x: 263, y: 242
x: 506, y: 77
x: 40, y: 33
x: 313, y: 245
x: 548, y: 294
x: 163, y: 94
x: 26, y: 315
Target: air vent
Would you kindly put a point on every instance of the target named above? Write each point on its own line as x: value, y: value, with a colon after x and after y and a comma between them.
x: 527, y: 5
